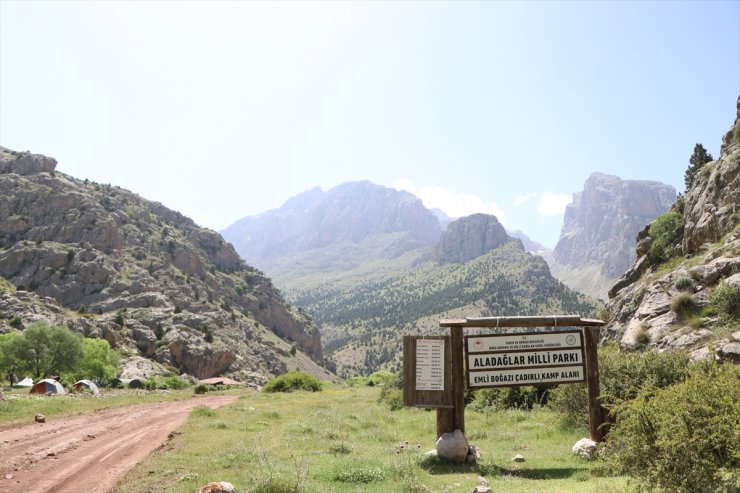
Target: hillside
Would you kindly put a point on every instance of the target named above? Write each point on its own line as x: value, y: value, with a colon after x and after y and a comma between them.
x: 476, y: 270
x: 597, y: 241
x: 109, y: 264
x: 683, y: 291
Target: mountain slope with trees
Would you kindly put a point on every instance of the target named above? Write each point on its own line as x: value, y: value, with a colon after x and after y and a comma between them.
x: 108, y: 264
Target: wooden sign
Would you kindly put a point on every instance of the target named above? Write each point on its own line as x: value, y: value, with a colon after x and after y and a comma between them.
x: 427, y: 381
x: 509, y: 360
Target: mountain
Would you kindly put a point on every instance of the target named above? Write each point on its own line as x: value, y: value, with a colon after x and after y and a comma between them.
x: 347, y: 214
x: 108, y: 263
x: 529, y: 244
x: 469, y: 238
x: 683, y: 291
x: 597, y: 240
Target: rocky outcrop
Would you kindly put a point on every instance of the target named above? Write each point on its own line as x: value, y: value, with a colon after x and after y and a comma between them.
x: 601, y: 223
x: 348, y: 213
x: 109, y: 264
x: 662, y: 306
x: 470, y: 237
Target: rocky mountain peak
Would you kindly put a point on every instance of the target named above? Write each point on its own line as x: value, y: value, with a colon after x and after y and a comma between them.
x: 601, y: 223
x: 470, y: 237
x: 25, y: 163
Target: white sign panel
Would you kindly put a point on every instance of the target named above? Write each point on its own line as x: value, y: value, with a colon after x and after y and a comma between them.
x: 558, y: 357
x: 430, y: 364
x: 524, y: 341
x: 531, y: 376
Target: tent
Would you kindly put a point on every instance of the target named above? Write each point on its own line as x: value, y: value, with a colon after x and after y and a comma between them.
x: 26, y: 382
x: 86, y: 385
x: 219, y: 381
x: 48, y: 386
x: 132, y: 383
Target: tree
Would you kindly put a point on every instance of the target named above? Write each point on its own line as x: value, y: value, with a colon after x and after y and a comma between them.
x: 699, y: 158
x: 49, y: 349
x: 98, y: 363
x: 9, y: 351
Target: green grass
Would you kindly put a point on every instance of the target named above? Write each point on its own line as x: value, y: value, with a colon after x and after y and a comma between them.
x: 20, y: 407
x: 342, y: 440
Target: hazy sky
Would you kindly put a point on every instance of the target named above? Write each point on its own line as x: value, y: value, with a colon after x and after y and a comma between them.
x: 225, y: 109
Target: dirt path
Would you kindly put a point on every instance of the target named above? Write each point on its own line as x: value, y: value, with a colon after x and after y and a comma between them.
x: 90, y: 452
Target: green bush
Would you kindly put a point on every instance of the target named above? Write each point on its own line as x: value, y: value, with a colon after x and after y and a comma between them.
x: 291, y: 381
x: 683, y: 283
x: 175, y: 383
x: 622, y: 376
x: 201, y: 388
x: 391, y: 393
x: 665, y: 231
x: 524, y: 397
x: 359, y: 475
x: 684, y: 438
x: 684, y: 306
x: 726, y: 299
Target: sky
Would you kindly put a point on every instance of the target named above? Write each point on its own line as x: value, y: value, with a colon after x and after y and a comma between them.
x: 222, y: 110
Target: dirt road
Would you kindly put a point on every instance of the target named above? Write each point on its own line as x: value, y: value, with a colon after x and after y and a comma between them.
x: 90, y: 452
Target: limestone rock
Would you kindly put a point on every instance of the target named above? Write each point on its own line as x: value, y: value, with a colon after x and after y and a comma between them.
x: 40, y: 418
x: 217, y: 487
x: 602, y: 222
x: 585, y: 447
x: 469, y: 238
x: 518, y: 458
x: 453, y: 446
x: 25, y: 163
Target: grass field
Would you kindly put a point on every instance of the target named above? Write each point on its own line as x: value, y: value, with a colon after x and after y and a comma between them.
x: 21, y: 407
x: 342, y: 440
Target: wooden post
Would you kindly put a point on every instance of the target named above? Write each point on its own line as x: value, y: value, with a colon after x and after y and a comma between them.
x: 458, y: 377
x: 596, y: 414
x: 449, y: 420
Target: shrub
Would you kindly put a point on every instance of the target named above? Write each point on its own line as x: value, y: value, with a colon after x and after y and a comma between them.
x: 294, y: 380
x: 201, y: 388
x: 360, y: 475
x: 685, y: 438
x: 391, y: 393
x: 175, y: 383
x: 684, y: 305
x: 726, y: 299
x: 622, y: 376
x: 683, y: 283
x: 524, y: 397
x: 203, y: 411
x: 665, y: 231
x: 642, y: 337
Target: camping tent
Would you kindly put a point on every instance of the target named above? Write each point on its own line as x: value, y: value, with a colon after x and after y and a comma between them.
x: 86, y: 385
x: 48, y: 386
x: 26, y: 382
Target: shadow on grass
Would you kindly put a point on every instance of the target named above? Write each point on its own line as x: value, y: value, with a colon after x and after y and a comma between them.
x: 434, y: 465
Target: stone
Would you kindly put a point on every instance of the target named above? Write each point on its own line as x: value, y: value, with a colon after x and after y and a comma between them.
x: 518, y: 458
x: 585, y: 447
x: 217, y: 487
x: 40, y: 418
x: 481, y: 489
x: 453, y: 446
x: 474, y: 455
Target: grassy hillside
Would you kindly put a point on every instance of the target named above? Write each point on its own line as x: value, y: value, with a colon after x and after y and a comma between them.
x: 342, y: 440
x: 363, y: 319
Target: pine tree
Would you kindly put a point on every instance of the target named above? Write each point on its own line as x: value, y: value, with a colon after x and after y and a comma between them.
x: 699, y: 158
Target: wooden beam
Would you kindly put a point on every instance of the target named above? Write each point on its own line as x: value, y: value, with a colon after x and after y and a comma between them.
x: 523, y: 321
x: 458, y: 377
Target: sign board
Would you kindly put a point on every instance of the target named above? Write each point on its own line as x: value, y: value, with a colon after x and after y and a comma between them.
x: 507, y: 360
x: 427, y: 380
x: 430, y: 364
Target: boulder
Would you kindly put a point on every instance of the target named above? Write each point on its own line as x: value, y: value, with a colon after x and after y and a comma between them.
x: 585, y: 447
x: 217, y: 487
x: 453, y: 446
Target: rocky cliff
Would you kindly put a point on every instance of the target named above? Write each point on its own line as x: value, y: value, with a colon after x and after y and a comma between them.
x: 110, y: 264
x: 600, y: 226
x: 692, y: 298
x: 470, y: 237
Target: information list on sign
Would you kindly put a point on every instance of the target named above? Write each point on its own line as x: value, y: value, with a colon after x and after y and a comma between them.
x: 430, y: 364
